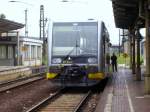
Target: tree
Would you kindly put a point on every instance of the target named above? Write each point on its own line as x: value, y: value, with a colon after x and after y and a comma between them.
x: 2, y: 16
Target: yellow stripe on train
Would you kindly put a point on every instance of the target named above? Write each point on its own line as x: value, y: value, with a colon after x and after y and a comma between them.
x: 51, y: 75
x: 96, y: 76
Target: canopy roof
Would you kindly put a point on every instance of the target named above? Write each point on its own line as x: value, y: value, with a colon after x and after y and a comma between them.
x: 125, y: 13
x: 7, y: 25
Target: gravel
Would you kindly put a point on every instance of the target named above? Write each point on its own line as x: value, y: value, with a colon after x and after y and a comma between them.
x: 90, y: 106
x: 21, y: 99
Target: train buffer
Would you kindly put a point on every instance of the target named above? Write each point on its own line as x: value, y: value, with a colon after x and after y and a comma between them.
x: 124, y: 94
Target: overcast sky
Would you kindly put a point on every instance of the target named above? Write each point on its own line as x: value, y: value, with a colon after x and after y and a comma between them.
x: 63, y: 11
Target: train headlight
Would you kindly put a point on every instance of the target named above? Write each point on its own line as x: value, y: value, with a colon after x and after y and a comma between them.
x: 92, y: 60
x: 56, y: 60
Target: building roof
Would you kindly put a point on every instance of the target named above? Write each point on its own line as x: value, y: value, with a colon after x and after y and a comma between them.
x: 7, y: 25
x: 125, y: 13
x: 30, y: 40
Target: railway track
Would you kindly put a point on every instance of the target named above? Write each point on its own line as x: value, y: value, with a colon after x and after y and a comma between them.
x: 62, y: 102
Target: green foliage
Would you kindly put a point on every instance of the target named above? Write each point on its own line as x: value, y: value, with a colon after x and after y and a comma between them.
x: 44, y: 60
x: 122, y: 60
x: 2, y: 16
x: 142, y: 61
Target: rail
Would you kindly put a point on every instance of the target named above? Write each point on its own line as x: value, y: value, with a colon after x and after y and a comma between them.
x: 82, y: 102
x: 40, y: 104
x: 61, y: 101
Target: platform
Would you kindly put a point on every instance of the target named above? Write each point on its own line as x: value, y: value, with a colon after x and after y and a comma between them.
x: 124, y: 94
x: 8, y: 73
x: 5, y: 68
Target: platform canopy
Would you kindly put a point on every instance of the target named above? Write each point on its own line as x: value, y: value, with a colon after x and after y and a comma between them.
x: 7, y: 25
x: 125, y: 13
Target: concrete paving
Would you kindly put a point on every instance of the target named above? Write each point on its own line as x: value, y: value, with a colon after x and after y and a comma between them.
x: 124, y: 94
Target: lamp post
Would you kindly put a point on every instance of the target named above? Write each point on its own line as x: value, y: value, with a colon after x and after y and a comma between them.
x: 26, y: 23
x: 43, y: 21
x: 26, y: 30
x: 26, y: 15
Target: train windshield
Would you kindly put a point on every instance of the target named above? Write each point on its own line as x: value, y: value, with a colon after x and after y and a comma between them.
x: 75, y: 39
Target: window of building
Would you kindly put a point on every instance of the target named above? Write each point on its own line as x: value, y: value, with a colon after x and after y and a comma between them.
x: 39, y: 53
x: 10, y: 52
x: 33, y: 51
x: 26, y: 51
x: 2, y: 52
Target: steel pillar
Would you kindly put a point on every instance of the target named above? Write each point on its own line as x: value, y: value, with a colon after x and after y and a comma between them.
x: 138, y: 67
x: 119, y: 43
x: 130, y: 39
x: 123, y: 41
x: 147, y: 41
x: 42, y: 33
x: 133, y: 54
x: 18, y: 49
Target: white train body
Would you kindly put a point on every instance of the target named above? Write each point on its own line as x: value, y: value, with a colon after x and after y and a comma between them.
x: 76, y: 53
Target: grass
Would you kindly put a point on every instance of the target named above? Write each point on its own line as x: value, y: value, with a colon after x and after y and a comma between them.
x: 122, y: 60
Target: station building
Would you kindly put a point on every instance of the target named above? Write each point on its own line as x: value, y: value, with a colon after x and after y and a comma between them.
x: 16, y: 50
x: 8, y: 42
x: 30, y: 51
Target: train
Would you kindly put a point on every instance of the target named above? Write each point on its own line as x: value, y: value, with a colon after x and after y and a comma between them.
x: 77, y: 53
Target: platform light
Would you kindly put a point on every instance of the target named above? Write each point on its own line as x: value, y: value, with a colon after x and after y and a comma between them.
x: 15, y: 1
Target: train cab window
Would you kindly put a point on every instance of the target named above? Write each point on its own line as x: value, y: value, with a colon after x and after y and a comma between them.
x: 77, y: 36
x: 77, y: 40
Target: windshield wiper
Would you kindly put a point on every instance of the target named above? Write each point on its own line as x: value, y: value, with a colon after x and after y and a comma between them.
x: 68, y: 55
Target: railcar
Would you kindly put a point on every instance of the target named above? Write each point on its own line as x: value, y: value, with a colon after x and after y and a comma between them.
x: 76, y: 53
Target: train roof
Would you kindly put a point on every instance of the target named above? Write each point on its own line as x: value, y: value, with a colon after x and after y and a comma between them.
x: 71, y: 21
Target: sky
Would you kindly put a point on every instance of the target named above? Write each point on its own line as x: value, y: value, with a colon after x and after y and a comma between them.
x: 55, y: 10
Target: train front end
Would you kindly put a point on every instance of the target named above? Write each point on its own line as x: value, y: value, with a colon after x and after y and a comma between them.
x: 74, y: 54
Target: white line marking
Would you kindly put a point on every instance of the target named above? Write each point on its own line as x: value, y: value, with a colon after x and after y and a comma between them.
x: 108, y: 106
x: 129, y: 98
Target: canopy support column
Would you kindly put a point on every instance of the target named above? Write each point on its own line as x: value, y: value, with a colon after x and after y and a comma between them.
x: 147, y: 74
